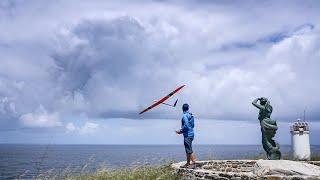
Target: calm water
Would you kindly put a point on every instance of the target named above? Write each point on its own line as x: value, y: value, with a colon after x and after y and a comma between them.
x: 26, y: 161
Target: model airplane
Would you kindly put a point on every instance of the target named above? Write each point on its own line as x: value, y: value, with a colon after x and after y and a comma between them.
x: 162, y: 100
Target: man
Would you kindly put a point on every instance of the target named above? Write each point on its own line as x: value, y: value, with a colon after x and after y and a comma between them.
x: 187, y: 125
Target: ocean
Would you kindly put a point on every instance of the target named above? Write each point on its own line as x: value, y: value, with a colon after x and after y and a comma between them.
x: 28, y: 161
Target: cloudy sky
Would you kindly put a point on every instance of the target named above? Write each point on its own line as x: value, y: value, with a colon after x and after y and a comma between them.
x: 80, y: 71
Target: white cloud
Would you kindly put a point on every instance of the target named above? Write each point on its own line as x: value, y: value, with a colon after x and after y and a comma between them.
x: 7, y: 106
x: 158, y: 59
x: 40, y: 118
x: 111, y: 59
x: 89, y: 128
x: 70, y: 127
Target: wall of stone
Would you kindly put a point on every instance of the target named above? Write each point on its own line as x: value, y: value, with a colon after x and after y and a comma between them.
x: 229, y: 166
x: 317, y: 163
x: 198, y: 174
x: 220, y: 169
x: 228, y: 169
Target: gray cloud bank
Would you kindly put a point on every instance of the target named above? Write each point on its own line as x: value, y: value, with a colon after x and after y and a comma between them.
x: 108, y: 60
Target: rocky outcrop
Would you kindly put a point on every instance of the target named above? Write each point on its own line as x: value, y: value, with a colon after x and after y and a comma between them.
x: 250, y: 169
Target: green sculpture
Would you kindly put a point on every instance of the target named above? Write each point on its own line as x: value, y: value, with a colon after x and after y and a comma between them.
x: 268, y: 128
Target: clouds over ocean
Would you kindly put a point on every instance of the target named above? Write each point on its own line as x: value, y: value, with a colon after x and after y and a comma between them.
x: 103, y: 60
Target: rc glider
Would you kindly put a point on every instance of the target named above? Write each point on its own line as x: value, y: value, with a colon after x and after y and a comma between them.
x: 162, y: 100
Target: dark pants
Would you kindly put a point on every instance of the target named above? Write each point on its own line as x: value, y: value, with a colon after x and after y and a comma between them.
x: 188, y: 144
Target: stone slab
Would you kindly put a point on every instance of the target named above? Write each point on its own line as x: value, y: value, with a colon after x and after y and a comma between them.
x: 285, y: 167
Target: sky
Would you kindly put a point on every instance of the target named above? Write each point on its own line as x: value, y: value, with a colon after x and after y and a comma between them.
x: 79, y: 72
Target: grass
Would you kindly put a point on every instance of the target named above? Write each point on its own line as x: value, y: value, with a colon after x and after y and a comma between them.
x: 164, y: 172
x: 143, y: 172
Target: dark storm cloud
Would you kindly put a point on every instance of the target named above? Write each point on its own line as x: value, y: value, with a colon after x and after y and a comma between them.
x: 108, y: 48
x: 107, y: 65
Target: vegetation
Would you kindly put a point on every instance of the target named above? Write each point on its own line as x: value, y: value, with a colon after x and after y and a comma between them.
x: 143, y: 173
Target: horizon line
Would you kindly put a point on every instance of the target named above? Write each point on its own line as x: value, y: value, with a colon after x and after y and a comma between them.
x: 143, y: 144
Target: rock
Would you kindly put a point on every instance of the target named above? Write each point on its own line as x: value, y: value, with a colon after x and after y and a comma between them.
x: 285, y: 168
x: 228, y: 169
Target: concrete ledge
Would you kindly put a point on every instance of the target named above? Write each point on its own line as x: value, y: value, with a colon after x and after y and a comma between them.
x: 247, y: 169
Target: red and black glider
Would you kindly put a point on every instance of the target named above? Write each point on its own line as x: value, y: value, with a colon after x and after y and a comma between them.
x: 161, y: 101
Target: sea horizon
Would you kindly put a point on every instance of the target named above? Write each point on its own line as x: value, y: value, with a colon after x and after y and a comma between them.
x: 143, y: 144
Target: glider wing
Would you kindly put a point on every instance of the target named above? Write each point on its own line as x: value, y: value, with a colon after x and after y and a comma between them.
x: 162, y: 100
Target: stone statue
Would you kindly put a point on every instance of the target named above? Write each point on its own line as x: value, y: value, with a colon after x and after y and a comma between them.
x: 268, y: 128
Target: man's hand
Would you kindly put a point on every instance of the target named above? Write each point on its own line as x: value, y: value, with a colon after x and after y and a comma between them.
x: 178, y: 132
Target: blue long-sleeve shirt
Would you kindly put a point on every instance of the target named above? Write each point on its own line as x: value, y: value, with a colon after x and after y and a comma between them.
x: 187, y: 124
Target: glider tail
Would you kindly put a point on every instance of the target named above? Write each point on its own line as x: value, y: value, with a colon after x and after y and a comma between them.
x: 175, y: 103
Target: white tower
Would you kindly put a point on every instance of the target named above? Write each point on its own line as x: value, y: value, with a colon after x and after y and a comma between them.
x: 300, y: 140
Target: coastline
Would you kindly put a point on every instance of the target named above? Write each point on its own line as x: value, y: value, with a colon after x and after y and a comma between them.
x: 168, y: 171
x: 70, y: 161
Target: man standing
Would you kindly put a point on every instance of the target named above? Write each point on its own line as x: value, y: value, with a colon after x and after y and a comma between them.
x: 187, y: 125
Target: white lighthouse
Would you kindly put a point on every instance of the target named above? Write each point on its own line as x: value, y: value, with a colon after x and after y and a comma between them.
x: 300, y: 140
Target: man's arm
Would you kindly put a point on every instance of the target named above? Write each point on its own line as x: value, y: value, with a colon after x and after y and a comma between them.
x: 255, y: 103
